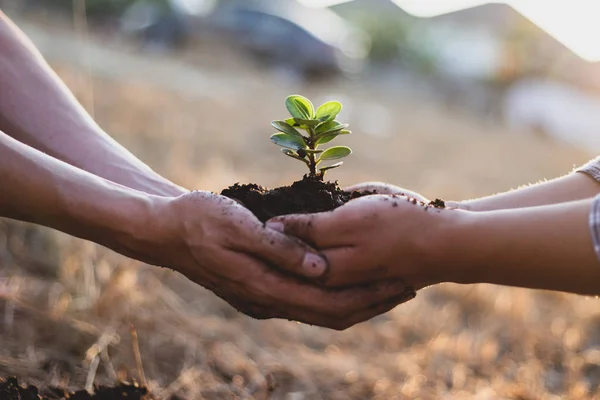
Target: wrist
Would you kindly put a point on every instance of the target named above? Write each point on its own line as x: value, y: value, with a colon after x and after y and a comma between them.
x: 147, y: 222
x: 154, y: 230
x: 448, y: 255
x: 116, y: 217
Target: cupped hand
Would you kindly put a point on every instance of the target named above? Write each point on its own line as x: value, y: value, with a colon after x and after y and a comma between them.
x: 373, y: 238
x: 221, y: 245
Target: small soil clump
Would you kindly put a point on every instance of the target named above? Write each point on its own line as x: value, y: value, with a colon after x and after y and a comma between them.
x: 437, y: 203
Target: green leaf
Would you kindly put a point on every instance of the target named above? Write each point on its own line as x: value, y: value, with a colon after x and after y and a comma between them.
x: 307, y: 122
x: 285, y: 128
x: 326, y: 137
x: 328, y: 111
x: 311, y: 151
x: 337, y: 164
x: 345, y: 132
x: 330, y: 126
x: 300, y: 107
x: 335, y: 152
x: 329, y: 131
x: 288, y: 141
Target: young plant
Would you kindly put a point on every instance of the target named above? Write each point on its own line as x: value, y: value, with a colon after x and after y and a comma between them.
x: 320, y: 126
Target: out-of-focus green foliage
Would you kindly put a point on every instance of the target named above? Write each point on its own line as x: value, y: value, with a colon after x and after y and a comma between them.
x: 391, y: 40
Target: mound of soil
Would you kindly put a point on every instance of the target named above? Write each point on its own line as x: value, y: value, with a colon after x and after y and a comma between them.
x: 10, y: 389
x: 309, y: 195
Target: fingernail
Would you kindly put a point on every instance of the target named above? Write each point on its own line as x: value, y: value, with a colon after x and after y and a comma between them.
x: 276, y: 226
x: 313, y: 265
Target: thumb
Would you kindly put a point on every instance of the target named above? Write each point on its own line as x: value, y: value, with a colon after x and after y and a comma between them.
x: 285, y: 252
x: 314, y: 229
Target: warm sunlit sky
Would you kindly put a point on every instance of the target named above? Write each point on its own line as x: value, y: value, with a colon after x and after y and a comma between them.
x: 574, y: 23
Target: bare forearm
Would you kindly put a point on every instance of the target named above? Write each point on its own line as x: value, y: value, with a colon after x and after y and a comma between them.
x: 36, y: 108
x: 40, y: 189
x: 575, y: 186
x: 547, y: 247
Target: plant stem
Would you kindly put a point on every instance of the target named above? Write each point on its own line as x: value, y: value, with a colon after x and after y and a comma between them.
x: 311, y: 156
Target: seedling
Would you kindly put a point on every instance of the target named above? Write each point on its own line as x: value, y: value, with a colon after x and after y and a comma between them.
x: 320, y: 126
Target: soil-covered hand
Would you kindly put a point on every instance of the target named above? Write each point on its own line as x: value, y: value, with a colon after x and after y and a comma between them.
x: 373, y: 238
x: 219, y: 244
x: 385, y: 188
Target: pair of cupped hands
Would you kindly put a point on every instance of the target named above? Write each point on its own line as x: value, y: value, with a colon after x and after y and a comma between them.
x: 332, y: 269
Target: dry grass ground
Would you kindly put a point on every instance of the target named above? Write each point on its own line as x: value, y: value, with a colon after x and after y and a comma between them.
x: 66, y: 305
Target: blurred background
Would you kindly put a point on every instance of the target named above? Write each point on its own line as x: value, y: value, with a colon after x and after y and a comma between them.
x: 451, y: 102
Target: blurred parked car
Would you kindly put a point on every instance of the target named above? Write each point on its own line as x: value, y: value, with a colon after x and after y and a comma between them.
x: 308, y: 41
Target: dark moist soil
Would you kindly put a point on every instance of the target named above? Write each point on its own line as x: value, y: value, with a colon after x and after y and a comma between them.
x: 11, y: 389
x: 309, y: 195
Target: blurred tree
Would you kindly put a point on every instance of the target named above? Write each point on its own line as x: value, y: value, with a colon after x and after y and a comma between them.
x: 392, y: 33
x: 391, y: 40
